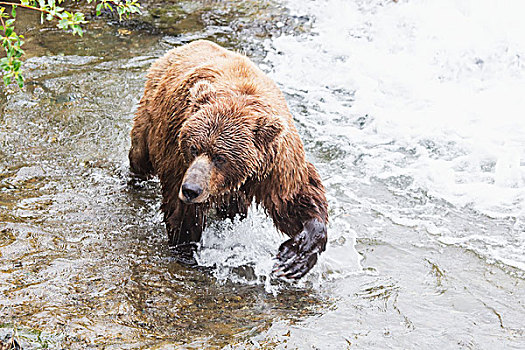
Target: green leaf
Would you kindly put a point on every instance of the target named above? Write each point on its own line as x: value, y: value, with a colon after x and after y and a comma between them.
x: 13, y: 11
x: 20, y: 81
x: 99, y: 8
x: 120, y: 12
x: 63, y: 23
x: 77, y: 30
x: 79, y: 17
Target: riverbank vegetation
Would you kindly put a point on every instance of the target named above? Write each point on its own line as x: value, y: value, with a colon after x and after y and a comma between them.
x: 50, y: 10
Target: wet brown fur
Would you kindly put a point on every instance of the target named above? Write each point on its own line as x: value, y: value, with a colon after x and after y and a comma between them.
x: 219, y: 102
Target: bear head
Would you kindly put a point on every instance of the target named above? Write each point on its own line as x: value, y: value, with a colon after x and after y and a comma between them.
x: 227, y: 138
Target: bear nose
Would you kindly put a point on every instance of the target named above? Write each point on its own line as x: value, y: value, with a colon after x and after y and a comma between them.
x: 191, y: 191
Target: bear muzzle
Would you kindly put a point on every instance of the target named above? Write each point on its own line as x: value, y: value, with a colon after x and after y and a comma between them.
x: 195, y: 184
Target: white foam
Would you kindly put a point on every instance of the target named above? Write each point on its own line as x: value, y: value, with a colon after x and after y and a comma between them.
x: 250, y: 244
x: 244, y: 250
x: 449, y: 73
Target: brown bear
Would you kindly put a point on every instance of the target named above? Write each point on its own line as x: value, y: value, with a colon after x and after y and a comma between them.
x: 218, y: 134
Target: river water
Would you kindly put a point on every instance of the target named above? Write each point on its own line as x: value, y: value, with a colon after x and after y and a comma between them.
x: 413, y: 113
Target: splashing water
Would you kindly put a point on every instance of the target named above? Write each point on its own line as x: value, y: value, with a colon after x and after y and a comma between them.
x: 244, y: 251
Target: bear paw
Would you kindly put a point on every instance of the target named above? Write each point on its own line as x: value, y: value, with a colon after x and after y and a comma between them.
x: 299, y: 254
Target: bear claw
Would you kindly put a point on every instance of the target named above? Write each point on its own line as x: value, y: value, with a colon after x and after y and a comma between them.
x: 298, y: 255
x: 295, y: 268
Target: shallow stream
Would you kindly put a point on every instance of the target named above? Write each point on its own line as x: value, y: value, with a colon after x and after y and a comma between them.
x: 415, y: 125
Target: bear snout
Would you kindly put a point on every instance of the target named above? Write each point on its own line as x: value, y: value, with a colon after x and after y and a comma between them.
x: 195, y: 184
x: 191, y: 191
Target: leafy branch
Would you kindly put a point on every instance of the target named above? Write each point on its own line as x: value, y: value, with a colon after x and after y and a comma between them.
x: 50, y: 10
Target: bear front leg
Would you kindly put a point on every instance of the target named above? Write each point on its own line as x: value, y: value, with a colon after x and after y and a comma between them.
x: 184, y: 224
x: 139, y: 160
x: 304, y: 219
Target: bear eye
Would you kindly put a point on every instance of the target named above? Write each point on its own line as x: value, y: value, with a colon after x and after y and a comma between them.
x: 193, y: 151
x: 218, y: 160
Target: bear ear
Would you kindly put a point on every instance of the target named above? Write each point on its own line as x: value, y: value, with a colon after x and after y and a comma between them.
x: 266, y: 129
x: 202, y: 92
